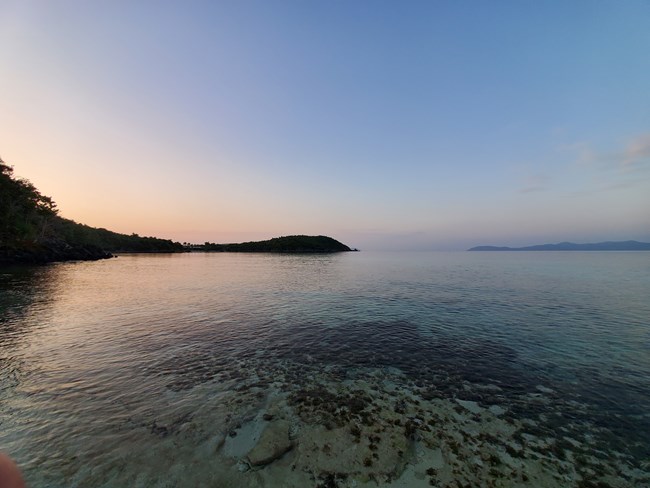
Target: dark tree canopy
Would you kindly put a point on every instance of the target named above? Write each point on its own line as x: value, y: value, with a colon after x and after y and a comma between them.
x: 32, y: 231
x: 297, y: 244
x: 25, y: 214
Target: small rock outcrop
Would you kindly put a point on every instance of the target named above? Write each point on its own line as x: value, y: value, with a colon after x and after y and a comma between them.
x: 273, y: 444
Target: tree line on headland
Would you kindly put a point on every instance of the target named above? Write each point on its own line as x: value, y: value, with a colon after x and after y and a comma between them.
x: 32, y: 231
x: 297, y: 244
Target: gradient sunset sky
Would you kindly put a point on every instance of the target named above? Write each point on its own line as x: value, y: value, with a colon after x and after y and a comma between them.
x: 387, y: 125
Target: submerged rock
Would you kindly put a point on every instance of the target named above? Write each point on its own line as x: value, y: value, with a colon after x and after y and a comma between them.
x: 273, y: 444
x: 473, y: 407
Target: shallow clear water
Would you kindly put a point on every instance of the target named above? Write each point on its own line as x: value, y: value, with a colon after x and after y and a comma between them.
x: 133, y: 371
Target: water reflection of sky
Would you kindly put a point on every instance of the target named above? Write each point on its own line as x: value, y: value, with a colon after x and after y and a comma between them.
x: 88, y: 347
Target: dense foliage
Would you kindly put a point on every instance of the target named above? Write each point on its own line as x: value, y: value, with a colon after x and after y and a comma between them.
x: 283, y: 244
x: 112, y: 241
x: 25, y: 214
x: 32, y: 231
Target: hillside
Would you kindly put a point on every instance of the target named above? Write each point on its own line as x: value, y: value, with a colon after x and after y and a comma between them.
x: 292, y: 244
x: 570, y: 246
x: 31, y: 231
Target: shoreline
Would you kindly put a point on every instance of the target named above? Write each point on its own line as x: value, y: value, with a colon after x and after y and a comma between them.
x: 41, y: 254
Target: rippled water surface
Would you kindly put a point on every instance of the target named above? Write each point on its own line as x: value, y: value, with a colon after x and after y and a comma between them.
x: 155, y: 370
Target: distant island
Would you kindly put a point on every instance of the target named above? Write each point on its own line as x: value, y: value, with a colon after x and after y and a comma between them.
x: 570, y: 246
x: 32, y: 232
x: 286, y: 244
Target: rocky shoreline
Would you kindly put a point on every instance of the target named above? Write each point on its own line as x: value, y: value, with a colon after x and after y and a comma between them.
x: 375, y: 428
x: 294, y: 425
x: 50, y: 253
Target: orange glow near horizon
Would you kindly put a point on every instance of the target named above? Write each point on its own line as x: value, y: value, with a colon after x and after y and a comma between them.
x: 203, y: 135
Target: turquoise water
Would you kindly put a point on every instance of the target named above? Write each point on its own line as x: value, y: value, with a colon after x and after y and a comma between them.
x: 155, y: 370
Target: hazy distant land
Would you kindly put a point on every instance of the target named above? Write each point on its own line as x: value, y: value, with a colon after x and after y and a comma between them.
x: 570, y: 246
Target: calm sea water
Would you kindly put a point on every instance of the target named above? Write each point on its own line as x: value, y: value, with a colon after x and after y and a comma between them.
x: 112, y: 373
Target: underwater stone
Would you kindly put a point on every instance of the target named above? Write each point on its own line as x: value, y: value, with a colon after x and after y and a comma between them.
x: 273, y: 444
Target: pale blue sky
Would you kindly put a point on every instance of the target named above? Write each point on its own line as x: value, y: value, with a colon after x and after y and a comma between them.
x: 388, y: 125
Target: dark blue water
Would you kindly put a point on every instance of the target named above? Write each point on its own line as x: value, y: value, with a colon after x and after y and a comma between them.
x: 155, y: 370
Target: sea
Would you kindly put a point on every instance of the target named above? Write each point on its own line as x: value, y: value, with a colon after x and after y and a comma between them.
x: 413, y: 369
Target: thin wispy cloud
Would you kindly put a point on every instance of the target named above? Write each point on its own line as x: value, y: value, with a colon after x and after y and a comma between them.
x: 534, y: 185
x: 585, y: 154
x: 532, y: 189
x: 637, y: 152
x: 625, y: 168
x: 634, y: 154
x: 624, y: 185
x: 534, y: 182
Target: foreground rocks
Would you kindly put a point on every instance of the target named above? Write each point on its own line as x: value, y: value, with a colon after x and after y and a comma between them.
x: 273, y: 444
x: 376, y: 428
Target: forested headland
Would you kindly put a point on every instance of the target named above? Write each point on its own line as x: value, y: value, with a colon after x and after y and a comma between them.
x: 32, y: 231
x: 294, y: 244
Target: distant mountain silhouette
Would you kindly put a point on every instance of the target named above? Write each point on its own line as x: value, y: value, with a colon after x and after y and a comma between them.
x: 570, y: 246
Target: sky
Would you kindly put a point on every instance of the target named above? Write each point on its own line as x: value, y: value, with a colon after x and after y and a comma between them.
x: 432, y: 125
